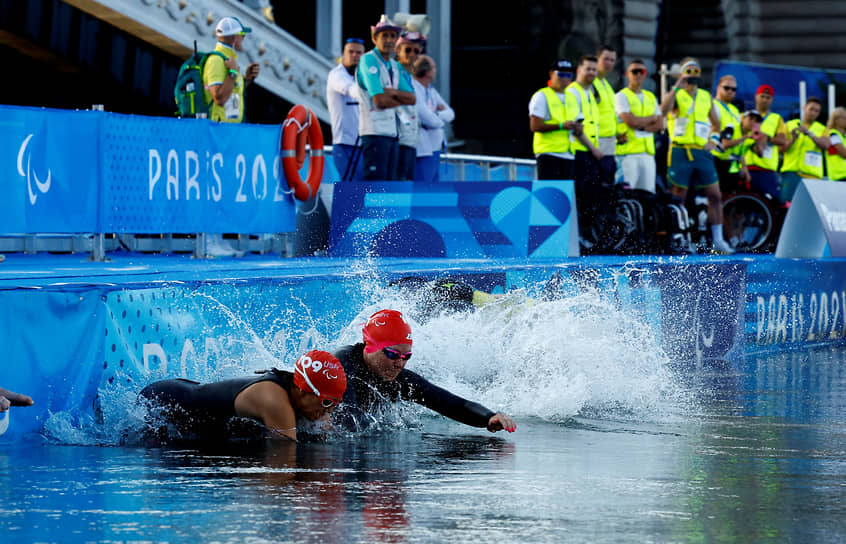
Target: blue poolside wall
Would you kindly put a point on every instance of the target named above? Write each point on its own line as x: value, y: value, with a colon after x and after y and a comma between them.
x: 75, y: 330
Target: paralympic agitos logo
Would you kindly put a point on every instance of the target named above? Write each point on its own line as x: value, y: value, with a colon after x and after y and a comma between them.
x: 25, y: 169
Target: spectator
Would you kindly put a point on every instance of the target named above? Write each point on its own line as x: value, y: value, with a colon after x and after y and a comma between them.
x: 605, y: 104
x: 342, y: 99
x: 836, y: 156
x: 640, y: 118
x: 222, y: 81
x: 726, y: 155
x: 382, y: 88
x: 591, y: 195
x: 804, y: 150
x: 763, y: 165
x: 694, y: 133
x: 552, y: 118
x: 409, y: 47
x: 378, y: 378
x: 8, y: 398
x: 434, y: 114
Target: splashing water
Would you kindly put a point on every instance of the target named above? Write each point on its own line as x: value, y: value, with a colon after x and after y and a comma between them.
x: 576, y: 356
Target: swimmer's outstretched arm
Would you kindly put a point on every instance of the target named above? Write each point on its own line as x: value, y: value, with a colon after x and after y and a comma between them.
x: 498, y: 422
x: 8, y: 398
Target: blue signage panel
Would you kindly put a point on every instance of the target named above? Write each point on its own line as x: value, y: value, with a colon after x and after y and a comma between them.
x: 91, y: 171
x: 50, y: 170
x: 456, y: 220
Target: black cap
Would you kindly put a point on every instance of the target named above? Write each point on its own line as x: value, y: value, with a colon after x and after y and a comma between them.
x: 562, y: 65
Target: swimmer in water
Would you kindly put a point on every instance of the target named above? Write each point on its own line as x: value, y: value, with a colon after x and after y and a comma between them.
x: 275, y: 399
x: 8, y: 398
x: 377, y: 374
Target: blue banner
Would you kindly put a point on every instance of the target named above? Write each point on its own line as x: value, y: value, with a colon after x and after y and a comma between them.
x: 50, y: 162
x: 457, y: 220
x: 88, y: 171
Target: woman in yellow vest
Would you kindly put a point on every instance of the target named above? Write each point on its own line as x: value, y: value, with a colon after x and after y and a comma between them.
x: 835, y: 159
x: 695, y: 132
x: 640, y: 119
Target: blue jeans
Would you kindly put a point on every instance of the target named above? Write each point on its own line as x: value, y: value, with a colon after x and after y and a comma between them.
x: 343, y: 155
x: 428, y: 168
x: 379, y: 157
x: 405, y: 167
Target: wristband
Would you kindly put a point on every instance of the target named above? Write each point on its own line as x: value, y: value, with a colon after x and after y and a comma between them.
x: 560, y: 126
x: 233, y: 73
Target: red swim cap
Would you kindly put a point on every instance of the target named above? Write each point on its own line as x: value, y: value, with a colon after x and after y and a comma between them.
x: 385, y: 328
x: 321, y: 373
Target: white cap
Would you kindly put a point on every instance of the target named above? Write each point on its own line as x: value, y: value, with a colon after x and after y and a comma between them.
x: 230, y: 26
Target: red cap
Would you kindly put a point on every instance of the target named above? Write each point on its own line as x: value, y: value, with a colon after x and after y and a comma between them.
x: 765, y: 89
x: 385, y: 328
x: 321, y: 373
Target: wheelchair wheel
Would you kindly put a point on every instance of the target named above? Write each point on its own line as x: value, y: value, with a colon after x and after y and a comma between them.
x: 748, y: 222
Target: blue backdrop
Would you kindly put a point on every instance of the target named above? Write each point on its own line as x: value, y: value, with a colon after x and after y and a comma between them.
x: 457, y: 220
x: 89, y: 171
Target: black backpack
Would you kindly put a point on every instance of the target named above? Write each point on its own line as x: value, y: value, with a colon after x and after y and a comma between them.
x: 188, y: 91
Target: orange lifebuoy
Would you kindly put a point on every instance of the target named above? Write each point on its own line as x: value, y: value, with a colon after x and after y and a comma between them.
x: 302, y: 126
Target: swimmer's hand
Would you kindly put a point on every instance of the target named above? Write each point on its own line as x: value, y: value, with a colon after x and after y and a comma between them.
x: 498, y: 422
x: 7, y: 398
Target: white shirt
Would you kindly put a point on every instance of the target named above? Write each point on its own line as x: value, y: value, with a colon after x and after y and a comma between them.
x: 342, y: 99
x: 432, y: 120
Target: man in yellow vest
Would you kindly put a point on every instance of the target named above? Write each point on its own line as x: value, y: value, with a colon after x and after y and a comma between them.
x: 694, y: 133
x: 804, y: 150
x: 640, y: 119
x: 591, y: 194
x: 552, y: 118
x: 224, y: 85
x: 727, y: 155
x: 763, y: 163
x: 606, y: 58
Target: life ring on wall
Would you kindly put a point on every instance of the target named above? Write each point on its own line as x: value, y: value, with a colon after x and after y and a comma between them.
x: 301, y: 126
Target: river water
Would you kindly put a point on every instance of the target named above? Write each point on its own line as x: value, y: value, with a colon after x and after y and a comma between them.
x: 615, y: 443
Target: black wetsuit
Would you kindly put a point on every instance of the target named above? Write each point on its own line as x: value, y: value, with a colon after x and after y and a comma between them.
x: 366, y: 392
x: 207, y: 411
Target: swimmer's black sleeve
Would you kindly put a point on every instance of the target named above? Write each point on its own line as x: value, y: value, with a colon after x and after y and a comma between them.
x: 418, y: 389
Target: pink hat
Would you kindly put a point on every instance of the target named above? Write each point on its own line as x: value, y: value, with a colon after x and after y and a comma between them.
x: 384, y: 24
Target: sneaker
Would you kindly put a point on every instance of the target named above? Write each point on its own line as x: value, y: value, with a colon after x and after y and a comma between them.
x: 722, y: 247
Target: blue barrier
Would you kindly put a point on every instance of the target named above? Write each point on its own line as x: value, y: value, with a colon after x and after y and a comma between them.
x: 91, y: 171
x: 119, y: 329
x: 459, y: 220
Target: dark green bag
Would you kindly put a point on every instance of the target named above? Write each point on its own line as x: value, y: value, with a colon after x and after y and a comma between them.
x: 188, y: 91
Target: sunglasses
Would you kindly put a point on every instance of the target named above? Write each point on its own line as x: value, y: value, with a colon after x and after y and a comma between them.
x: 692, y: 71
x: 415, y: 50
x: 727, y: 88
x: 393, y: 354
x: 355, y: 40
x: 637, y: 71
x: 565, y: 75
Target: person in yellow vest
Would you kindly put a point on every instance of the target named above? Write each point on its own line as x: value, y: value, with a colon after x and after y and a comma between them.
x: 640, y: 118
x: 727, y: 155
x: 222, y: 80
x: 805, y: 149
x: 606, y: 58
x: 836, y: 158
x: 695, y: 132
x: 552, y: 118
x: 591, y: 193
x: 763, y: 164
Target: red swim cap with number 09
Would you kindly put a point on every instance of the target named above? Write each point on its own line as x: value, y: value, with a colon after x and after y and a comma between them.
x: 321, y: 373
x: 385, y: 328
